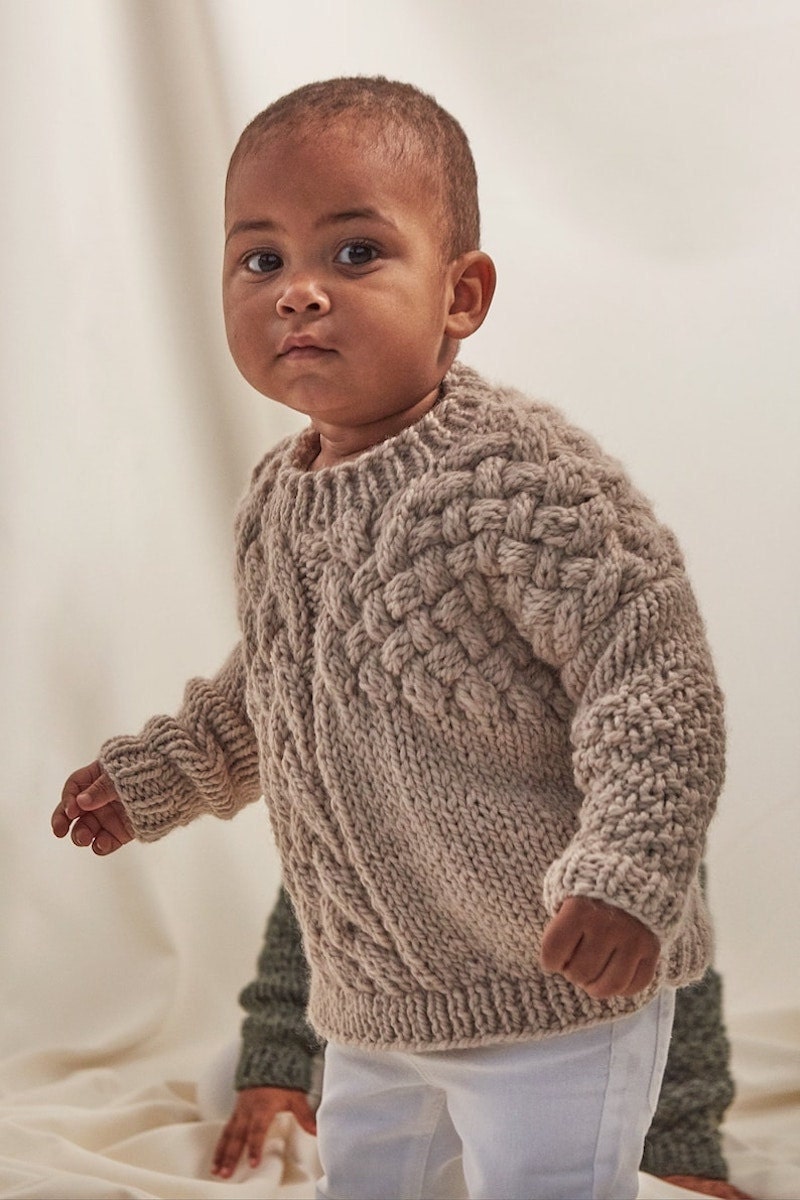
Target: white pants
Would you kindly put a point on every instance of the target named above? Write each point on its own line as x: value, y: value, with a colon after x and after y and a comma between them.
x: 560, y: 1119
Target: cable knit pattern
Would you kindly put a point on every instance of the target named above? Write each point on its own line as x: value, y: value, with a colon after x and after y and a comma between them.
x: 477, y: 682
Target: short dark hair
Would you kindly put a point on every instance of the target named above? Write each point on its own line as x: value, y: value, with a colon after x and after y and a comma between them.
x: 412, y: 126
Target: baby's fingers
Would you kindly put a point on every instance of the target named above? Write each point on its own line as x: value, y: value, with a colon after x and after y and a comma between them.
x: 229, y: 1147
x: 97, y: 794
x: 643, y: 976
x: 68, y: 809
x: 87, y: 831
x: 562, y: 938
x: 226, y: 1155
x: 114, y: 828
x: 621, y: 977
x: 91, y: 808
x: 257, y: 1135
x: 60, y: 822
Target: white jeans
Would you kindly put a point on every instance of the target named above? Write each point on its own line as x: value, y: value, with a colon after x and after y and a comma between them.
x: 560, y: 1119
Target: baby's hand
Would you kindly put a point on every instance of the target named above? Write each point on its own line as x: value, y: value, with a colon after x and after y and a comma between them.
x: 600, y: 948
x: 249, y: 1124
x: 90, y: 800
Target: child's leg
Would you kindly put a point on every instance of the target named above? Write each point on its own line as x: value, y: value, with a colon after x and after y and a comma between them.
x: 560, y: 1118
x: 383, y: 1133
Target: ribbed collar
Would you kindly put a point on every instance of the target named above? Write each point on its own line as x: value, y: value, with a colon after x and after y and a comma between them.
x: 318, y: 498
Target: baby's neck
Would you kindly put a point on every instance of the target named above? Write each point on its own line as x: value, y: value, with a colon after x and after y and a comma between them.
x: 326, y: 457
x: 340, y: 444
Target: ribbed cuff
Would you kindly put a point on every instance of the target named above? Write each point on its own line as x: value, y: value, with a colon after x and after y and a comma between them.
x: 619, y: 880
x: 275, y: 1064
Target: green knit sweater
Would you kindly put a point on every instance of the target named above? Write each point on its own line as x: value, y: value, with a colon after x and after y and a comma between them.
x: 472, y: 681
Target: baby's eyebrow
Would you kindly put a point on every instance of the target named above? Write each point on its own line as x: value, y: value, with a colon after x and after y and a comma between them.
x: 265, y: 225
x: 261, y: 226
x: 356, y: 214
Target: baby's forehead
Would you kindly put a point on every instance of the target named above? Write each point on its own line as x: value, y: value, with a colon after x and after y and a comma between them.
x: 344, y: 163
x: 380, y: 144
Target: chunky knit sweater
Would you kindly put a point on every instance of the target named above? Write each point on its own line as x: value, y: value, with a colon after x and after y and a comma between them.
x: 472, y: 681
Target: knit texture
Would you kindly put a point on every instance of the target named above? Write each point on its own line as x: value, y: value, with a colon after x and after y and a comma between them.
x: 472, y: 681
x: 685, y: 1137
x: 278, y: 1045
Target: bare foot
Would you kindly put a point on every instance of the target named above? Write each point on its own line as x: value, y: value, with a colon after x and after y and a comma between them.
x: 707, y: 1187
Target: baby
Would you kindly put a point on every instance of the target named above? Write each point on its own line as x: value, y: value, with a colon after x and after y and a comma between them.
x: 472, y: 684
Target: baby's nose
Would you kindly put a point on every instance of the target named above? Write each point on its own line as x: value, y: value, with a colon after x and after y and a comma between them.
x: 302, y: 293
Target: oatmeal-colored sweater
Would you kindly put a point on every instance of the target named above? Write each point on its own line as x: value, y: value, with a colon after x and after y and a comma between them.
x: 472, y: 681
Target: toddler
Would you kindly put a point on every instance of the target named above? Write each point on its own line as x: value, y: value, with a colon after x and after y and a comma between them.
x: 472, y: 684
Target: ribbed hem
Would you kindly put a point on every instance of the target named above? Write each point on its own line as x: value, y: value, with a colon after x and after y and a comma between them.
x: 485, y: 1013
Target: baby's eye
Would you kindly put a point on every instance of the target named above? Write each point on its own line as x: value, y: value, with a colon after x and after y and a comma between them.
x: 356, y: 254
x: 263, y: 262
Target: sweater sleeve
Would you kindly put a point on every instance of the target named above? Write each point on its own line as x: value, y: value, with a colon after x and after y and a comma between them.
x: 204, y: 759
x: 685, y: 1135
x: 599, y: 589
x: 278, y: 1045
x: 648, y: 755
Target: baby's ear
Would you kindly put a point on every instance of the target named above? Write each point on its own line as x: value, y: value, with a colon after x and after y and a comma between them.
x: 473, y: 279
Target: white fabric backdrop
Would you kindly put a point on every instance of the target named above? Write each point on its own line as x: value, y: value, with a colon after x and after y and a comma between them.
x: 640, y: 181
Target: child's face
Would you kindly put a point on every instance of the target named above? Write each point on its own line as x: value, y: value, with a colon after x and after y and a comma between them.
x: 335, y: 288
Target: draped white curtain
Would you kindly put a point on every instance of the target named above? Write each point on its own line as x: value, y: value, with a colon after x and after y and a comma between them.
x: 640, y: 183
